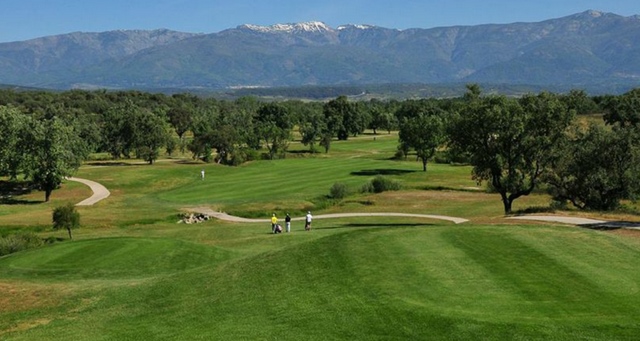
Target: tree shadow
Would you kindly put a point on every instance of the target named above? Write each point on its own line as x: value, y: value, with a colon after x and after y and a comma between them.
x: 302, y: 152
x: 12, y: 201
x: 188, y: 162
x: 10, y: 189
x: 372, y: 172
x: 612, y: 225
x: 381, y: 225
x: 109, y: 163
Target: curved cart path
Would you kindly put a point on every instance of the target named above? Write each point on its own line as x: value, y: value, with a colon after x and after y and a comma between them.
x: 99, y: 192
x: 584, y: 222
x: 224, y: 216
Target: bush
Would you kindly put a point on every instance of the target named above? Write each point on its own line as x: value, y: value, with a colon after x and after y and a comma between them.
x: 18, y: 242
x: 66, y: 217
x: 367, y: 188
x: 380, y: 184
x: 339, y: 191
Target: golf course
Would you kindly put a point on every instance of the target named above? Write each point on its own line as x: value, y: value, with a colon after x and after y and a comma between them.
x: 133, y: 271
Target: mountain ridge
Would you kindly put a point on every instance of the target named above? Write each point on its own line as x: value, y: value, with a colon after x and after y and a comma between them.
x: 581, y: 50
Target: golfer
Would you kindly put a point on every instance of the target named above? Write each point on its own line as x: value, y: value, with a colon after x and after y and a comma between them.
x: 287, y: 221
x: 274, y: 222
x: 307, y: 221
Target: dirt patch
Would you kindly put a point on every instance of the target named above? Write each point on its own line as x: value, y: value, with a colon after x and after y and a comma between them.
x: 22, y: 296
x: 26, y: 325
x: 627, y: 233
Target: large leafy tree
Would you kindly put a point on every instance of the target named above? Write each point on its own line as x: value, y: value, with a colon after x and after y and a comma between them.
x: 13, y: 125
x: 342, y: 119
x: 274, y: 128
x: 509, y: 141
x: 599, y: 167
x: 181, y: 111
x: 203, y: 125
x: 380, y: 117
x: 624, y: 109
x: 334, y: 113
x: 54, y: 151
x: 311, y: 126
x: 424, y: 133
x: 151, y: 133
x: 119, y: 129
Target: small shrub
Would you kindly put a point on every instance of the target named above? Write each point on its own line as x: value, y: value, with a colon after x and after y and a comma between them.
x: 535, y: 209
x: 237, y: 159
x: 558, y: 204
x: 66, y: 217
x: 380, y: 184
x: 441, y: 157
x: 367, y: 188
x: 251, y: 154
x: 399, y: 155
x: 339, y: 191
x: 19, y: 242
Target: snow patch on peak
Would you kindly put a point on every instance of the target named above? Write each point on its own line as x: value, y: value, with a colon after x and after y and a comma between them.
x: 311, y: 26
x: 360, y: 27
x: 595, y: 14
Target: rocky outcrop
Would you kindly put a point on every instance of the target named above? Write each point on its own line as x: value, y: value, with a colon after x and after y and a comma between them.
x: 193, y: 218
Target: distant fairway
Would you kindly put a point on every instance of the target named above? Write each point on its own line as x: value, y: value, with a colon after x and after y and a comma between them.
x: 133, y: 273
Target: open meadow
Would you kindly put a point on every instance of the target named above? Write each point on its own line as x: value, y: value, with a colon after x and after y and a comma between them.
x: 133, y: 273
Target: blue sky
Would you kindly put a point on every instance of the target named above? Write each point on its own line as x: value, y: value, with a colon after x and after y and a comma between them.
x: 26, y: 19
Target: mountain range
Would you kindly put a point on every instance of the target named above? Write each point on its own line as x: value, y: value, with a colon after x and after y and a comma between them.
x: 587, y: 50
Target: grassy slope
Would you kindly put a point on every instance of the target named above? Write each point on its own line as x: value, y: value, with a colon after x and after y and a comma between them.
x: 429, y: 281
x: 133, y: 274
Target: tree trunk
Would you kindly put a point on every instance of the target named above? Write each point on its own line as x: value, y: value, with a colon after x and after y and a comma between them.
x: 507, y: 205
x: 69, y: 230
x: 424, y: 165
x: 47, y: 194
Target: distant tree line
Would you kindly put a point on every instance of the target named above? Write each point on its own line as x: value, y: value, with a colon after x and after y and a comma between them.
x: 514, y: 144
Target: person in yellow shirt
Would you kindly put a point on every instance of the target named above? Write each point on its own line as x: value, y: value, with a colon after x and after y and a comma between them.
x: 274, y: 222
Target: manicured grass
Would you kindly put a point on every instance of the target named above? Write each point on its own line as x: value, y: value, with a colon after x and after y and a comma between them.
x: 133, y: 273
x: 110, y: 258
x: 346, y: 282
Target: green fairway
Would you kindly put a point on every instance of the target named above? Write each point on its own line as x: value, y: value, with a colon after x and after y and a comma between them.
x: 133, y: 273
x: 419, y: 282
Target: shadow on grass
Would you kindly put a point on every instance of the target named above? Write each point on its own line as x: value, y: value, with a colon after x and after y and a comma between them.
x: 10, y: 189
x: 371, y: 172
x: 612, y: 225
x: 12, y: 201
x: 381, y: 225
x: 457, y: 189
x: 188, y: 162
x: 110, y: 163
x: 303, y: 152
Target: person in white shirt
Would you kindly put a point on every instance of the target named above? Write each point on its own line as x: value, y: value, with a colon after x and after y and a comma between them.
x: 307, y: 221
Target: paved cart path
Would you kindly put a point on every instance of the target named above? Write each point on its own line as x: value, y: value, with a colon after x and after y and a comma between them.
x: 584, y: 222
x: 225, y: 216
x: 99, y: 192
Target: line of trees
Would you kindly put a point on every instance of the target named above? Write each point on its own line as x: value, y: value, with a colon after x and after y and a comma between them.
x: 514, y: 144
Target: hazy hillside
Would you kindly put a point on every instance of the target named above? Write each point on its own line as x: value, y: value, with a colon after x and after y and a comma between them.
x: 586, y: 50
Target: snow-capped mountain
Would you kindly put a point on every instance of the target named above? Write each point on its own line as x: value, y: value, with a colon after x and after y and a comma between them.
x: 311, y: 26
x: 576, y: 51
